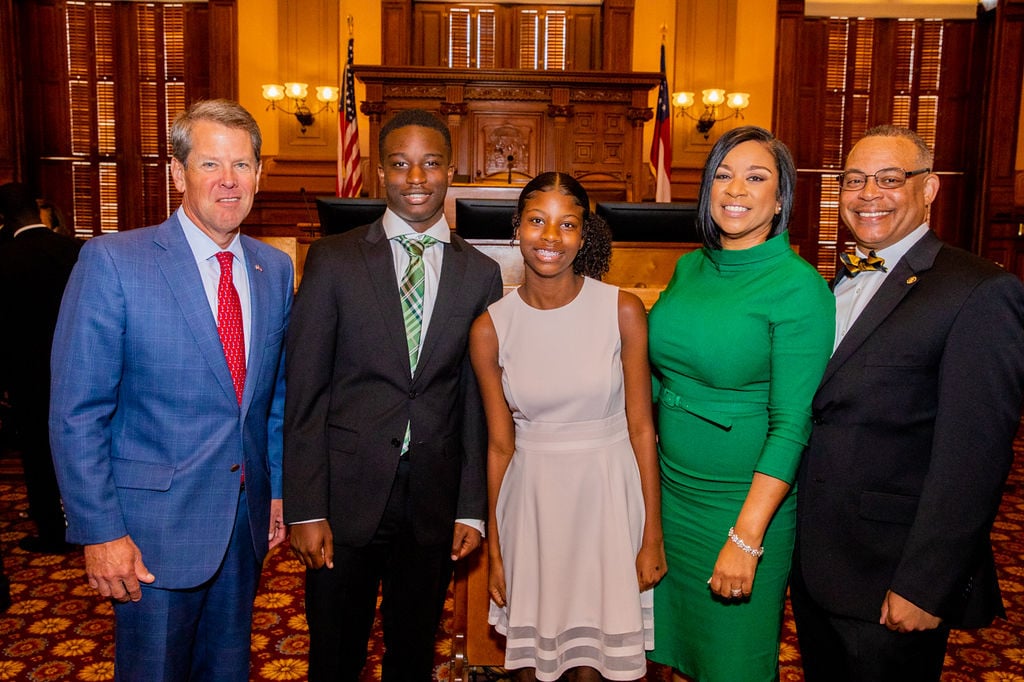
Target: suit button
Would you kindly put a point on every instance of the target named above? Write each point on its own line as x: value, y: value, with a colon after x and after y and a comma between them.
x: 817, y: 420
x: 395, y: 443
x: 412, y: 395
x: 235, y: 467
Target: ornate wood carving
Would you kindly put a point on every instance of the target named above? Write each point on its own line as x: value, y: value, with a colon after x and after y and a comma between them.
x: 506, y: 146
x: 561, y: 110
x: 588, y: 124
x: 454, y: 109
x: 493, y: 92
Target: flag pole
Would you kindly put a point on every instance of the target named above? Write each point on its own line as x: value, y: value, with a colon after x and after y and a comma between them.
x: 350, y: 178
x: 661, y: 144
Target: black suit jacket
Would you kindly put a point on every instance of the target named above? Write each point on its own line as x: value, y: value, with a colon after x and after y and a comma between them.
x: 350, y: 393
x: 34, y: 269
x: 912, y: 442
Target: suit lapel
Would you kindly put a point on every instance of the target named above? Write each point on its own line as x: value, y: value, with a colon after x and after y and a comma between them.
x: 259, y: 302
x: 178, y: 266
x: 903, y: 278
x: 380, y: 264
x: 453, y: 268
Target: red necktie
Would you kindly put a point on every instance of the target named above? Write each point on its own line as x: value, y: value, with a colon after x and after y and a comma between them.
x: 229, y: 323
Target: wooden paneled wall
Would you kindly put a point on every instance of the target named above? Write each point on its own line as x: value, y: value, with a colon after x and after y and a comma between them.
x: 509, y: 126
x: 1000, y: 216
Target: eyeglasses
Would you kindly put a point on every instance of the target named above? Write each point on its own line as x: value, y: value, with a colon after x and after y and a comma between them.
x: 887, y: 178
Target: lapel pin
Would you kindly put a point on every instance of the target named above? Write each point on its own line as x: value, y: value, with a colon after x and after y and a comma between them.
x: 259, y: 268
x: 911, y: 279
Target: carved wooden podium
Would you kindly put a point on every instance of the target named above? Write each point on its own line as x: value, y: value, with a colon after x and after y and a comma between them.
x: 508, y: 125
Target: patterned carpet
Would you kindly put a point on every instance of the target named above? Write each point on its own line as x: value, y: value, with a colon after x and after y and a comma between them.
x: 57, y: 629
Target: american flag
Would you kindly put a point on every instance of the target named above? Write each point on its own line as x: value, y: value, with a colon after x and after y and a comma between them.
x: 350, y: 176
x: 661, y: 145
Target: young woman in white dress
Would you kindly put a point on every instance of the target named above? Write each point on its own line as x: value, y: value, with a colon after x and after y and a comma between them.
x: 574, y: 530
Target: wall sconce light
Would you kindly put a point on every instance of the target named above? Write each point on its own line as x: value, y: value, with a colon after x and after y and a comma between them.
x: 712, y: 98
x: 297, y: 93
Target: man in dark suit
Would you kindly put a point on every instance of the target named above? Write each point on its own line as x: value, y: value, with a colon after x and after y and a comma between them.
x: 168, y: 400
x: 35, y: 263
x: 912, y: 440
x: 385, y: 439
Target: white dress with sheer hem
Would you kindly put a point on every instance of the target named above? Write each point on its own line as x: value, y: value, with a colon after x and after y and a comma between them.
x: 570, y: 510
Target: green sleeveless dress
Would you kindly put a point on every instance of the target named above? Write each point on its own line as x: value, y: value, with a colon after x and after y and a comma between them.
x: 738, y: 344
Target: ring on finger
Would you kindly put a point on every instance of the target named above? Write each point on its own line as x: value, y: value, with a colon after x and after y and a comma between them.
x: 737, y: 592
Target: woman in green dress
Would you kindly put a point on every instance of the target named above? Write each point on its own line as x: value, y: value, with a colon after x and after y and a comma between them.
x: 738, y: 343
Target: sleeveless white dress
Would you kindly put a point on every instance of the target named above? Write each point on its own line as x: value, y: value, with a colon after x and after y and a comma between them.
x: 570, y: 510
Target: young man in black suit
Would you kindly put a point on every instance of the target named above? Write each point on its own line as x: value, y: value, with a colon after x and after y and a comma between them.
x: 35, y: 263
x: 912, y: 440
x: 385, y: 443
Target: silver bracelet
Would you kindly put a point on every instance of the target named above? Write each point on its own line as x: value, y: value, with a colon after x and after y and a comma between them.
x: 756, y: 553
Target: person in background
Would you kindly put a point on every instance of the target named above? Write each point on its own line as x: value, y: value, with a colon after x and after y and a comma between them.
x: 384, y: 465
x: 913, y: 433
x: 738, y: 343
x: 35, y: 264
x: 167, y: 405
x: 575, y: 516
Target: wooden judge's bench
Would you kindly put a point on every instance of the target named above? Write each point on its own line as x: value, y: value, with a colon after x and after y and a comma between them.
x: 509, y: 125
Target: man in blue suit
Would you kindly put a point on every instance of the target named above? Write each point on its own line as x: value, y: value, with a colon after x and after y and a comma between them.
x: 165, y: 435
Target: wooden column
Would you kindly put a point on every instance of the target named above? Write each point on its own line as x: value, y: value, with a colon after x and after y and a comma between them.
x: 10, y: 98
x: 1001, y: 233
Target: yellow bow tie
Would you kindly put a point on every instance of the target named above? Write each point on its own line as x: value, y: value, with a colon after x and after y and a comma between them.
x: 855, y: 265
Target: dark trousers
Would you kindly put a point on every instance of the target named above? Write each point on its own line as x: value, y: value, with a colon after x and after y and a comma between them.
x: 44, y: 507
x: 201, y: 634
x: 835, y: 648
x: 340, y: 602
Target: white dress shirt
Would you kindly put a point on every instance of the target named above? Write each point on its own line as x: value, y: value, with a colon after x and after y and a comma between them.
x: 205, y: 251
x: 433, y: 256
x: 854, y: 293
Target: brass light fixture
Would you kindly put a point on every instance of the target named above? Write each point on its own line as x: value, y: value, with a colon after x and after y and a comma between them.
x: 296, y: 94
x: 713, y: 99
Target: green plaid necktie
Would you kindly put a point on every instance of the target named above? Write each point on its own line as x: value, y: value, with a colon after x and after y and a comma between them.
x: 411, y: 291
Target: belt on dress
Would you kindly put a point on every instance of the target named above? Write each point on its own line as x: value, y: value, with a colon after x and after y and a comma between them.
x: 715, y: 410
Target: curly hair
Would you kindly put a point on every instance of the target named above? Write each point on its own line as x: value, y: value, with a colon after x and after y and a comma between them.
x: 595, y: 254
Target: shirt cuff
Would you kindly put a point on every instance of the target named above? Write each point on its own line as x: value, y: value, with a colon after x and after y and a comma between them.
x: 474, y: 523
